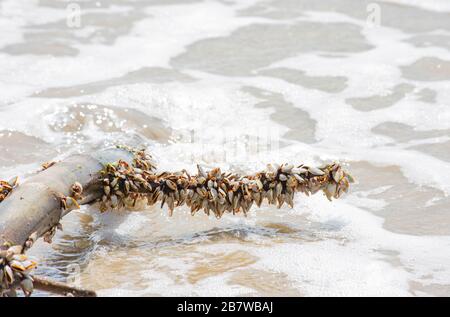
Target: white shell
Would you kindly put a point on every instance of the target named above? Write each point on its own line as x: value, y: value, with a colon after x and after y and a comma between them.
x: 315, y: 171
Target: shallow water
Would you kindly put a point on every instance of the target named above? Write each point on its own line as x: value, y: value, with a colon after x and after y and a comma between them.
x: 239, y: 84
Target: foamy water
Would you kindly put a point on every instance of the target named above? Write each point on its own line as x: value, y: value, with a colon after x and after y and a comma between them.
x: 199, y: 82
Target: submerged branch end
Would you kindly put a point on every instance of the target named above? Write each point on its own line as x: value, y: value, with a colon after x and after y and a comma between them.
x: 55, y: 287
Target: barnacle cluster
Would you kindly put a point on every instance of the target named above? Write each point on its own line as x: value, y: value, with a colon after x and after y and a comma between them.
x: 48, y: 236
x: 6, y: 187
x: 214, y: 191
x: 67, y: 203
x: 47, y: 165
x: 15, y: 269
x: 124, y: 184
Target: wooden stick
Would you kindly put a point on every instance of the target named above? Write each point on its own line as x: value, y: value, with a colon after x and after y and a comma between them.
x: 47, y: 285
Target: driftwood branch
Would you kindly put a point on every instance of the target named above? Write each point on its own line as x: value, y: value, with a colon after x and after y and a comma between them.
x: 118, y: 178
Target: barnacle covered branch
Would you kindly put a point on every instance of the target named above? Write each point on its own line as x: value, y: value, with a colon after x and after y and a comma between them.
x: 217, y: 192
x: 119, y: 178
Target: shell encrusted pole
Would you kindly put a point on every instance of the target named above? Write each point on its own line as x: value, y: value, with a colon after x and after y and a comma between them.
x: 34, y: 209
x: 214, y: 191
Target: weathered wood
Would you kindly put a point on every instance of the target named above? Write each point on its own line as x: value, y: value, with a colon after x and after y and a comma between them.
x: 35, y: 205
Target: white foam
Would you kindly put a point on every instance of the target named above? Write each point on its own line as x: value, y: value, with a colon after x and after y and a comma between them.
x: 433, y: 5
x: 17, y: 14
x: 153, y: 41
